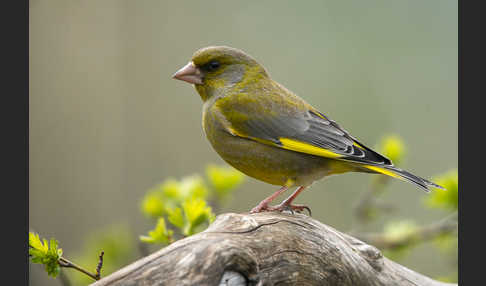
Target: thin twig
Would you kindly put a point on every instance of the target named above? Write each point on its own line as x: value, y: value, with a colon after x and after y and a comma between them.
x: 100, y: 264
x: 63, y: 262
x: 382, y: 241
x: 368, y: 201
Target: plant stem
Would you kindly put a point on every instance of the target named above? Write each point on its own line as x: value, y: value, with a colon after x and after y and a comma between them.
x: 68, y: 264
x: 100, y: 264
x: 368, y: 200
x: 381, y: 241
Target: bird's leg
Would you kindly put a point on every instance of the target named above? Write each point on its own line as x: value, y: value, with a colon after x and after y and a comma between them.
x: 287, y: 203
x: 263, y: 205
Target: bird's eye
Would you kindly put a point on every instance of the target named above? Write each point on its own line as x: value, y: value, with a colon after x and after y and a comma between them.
x: 213, y: 65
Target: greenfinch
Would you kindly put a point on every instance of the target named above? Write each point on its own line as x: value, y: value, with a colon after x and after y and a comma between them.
x: 267, y: 132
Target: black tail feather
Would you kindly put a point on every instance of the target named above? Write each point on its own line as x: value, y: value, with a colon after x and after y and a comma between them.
x: 421, y: 182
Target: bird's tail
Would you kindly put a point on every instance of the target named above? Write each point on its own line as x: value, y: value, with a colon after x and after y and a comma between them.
x: 395, y: 172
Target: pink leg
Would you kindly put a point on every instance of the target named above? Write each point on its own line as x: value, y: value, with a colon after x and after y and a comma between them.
x: 287, y: 203
x: 263, y: 205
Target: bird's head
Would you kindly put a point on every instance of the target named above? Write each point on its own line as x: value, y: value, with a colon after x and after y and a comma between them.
x: 214, y: 70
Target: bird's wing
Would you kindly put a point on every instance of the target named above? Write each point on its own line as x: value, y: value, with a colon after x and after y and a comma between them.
x: 293, y: 125
x: 288, y: 122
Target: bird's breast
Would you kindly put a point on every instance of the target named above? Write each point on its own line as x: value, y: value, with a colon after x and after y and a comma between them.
x: 263, y: 162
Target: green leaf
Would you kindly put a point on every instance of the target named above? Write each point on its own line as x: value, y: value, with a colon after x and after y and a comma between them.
x: 45, y: 253
x: 153, y: 204
x: 36, y: 243
x: 171, y: 189
x: 392, y: 147
x: 176, y: 217
x: 445, y: 199
x: 398, y: 229
x: 159, y: 235
x: 193, y: 187
x: 53, y: 247
x: 196, y: 213
x: 395, y: 231
x: 53, y: 269
x: 193, y: 208
x: 224, y: 179
x: 36, y: 255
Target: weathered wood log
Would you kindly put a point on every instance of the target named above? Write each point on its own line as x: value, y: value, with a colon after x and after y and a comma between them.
x: 268, y: 248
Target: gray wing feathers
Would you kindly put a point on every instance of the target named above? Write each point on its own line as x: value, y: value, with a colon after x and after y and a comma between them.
x: 311, y: 128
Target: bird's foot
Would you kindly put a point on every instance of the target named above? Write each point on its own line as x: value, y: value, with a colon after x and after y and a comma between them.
x: 262, y: 207
x: 288, y: 207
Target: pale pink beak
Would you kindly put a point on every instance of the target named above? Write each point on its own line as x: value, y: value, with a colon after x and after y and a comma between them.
x: 189, y: 73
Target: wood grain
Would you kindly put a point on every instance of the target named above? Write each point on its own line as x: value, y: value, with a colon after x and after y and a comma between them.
x: 267, y: 248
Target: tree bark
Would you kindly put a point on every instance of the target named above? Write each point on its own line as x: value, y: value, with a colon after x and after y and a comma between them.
x: 267, y: 248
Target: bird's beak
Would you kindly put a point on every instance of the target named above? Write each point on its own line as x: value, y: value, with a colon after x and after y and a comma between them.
x: 189, y: 73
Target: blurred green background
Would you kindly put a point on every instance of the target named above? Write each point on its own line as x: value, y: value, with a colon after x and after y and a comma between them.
x: 107, y: 122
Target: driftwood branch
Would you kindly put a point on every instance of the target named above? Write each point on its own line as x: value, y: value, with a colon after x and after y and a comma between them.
x: 267, y: 249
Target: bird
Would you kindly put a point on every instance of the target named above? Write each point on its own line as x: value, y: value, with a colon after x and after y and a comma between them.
x: 269, y: 133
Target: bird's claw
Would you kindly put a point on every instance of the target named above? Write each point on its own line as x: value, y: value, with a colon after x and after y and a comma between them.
x: 297, y: 208
x: 281, y: 208
x: 261, y: 208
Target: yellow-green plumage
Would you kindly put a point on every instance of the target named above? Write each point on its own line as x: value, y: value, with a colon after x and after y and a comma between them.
x: 269, y: 133
x: 262, y: 161
x: 257, y: 157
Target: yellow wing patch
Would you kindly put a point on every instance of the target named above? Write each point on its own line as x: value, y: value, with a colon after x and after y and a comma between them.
x: 302, y: 147
x: 383, y: 171
x: 357, y: 145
